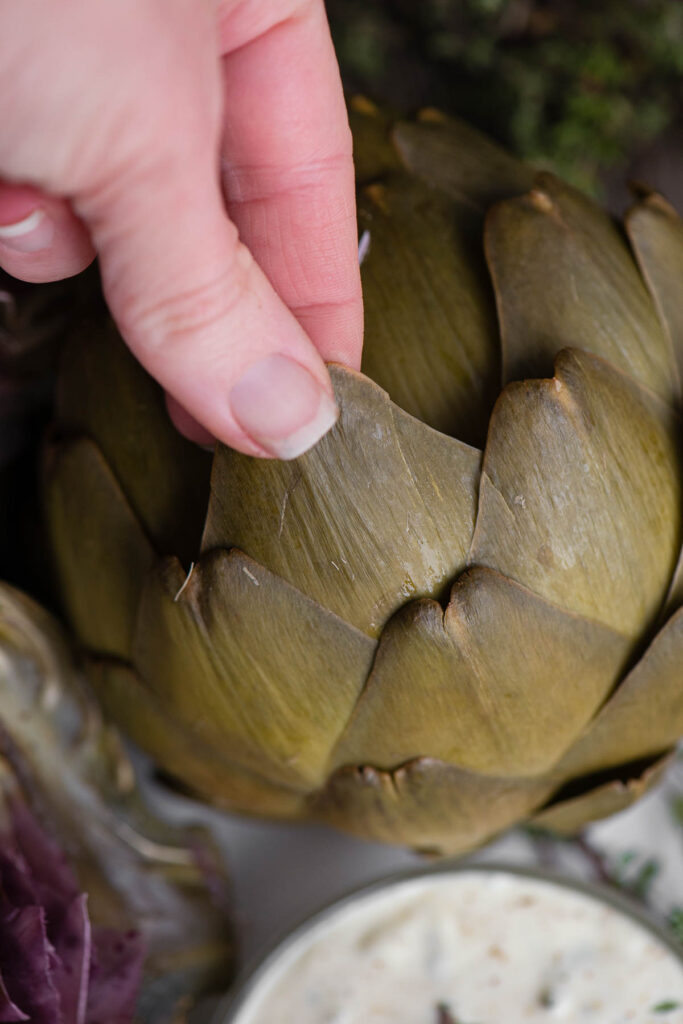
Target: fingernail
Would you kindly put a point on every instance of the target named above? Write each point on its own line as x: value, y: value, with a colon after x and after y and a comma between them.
x: 31, y: 234
x: 282, y: 407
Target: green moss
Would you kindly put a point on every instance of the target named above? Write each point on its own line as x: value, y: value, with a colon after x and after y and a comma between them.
x: 572, y: 85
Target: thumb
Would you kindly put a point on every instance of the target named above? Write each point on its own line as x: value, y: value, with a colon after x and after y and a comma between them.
x: 197, y: 311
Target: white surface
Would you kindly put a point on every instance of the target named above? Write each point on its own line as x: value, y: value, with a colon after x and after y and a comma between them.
x: 282, y: 873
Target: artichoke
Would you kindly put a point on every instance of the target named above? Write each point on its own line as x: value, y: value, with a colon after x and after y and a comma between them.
x: 107, y: 914
x: 462, y: 608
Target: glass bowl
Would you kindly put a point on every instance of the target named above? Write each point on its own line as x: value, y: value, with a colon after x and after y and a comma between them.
x: 472, y: 944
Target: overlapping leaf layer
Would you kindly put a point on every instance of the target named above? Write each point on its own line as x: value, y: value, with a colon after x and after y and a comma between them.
x: 462, y: 607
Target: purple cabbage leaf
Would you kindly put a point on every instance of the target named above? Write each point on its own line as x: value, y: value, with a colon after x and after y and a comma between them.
x: 54, y: 967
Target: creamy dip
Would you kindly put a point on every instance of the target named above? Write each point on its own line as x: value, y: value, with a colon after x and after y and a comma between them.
x: 492, y: 947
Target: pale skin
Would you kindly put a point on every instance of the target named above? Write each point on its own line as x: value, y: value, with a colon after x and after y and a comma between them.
x: 199, y: 148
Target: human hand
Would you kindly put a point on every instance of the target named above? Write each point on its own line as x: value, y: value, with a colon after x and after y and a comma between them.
x: 151, y: 132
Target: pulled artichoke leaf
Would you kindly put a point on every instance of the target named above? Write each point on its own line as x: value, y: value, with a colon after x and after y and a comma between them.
x: 102, y: 551
x: 426, y: 803
x: 204, y: 767
x: 568, y: 815
x: 248, y: 661
x: 165, y: 476
x: 431, y: 336
x: 580, y: 498
x: 565, y: 278
x: 449, y: 154
x: 655, y: 231
x: 505, y: 680
x: 380, y: 511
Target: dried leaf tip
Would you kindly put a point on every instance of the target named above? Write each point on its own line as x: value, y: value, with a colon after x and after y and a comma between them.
x: 541, y: 200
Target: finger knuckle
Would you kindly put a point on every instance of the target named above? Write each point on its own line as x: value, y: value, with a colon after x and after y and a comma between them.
x: 192, y: 311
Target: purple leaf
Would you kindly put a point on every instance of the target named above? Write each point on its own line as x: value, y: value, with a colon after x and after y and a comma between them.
x: 53, y: 879
x: 26, y: 960
x: 72, y: 941
x: 16, y: 883
x: 53, y: 970
x: 9, y: 1011
x: 115, y: 975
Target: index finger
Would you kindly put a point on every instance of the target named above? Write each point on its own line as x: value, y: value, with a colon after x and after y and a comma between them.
x: 288, y: 168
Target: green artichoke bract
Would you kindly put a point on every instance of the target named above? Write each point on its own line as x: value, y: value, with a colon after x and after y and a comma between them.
x: 462, y: 608
x: 106, y: 912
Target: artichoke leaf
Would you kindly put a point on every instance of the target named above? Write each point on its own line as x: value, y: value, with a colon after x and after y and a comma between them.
x: 645, y: 714
x: 564, y: 278
x: 431, y: 336
x: 580, y: 499
x: 501, y: 683
x: 674, y: 598
x: 656, y: 234
x: 569, y: 815
x: 451, y: 155
x: 101, y: 550
x: 381, y: 510
x: 203, y: 768
x: 374, y: 154
x: 164, y: 476
x: 426, y: 804
x: 250, y: 663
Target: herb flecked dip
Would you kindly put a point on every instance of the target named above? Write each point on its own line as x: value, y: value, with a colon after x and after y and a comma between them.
x: 470, y: 947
